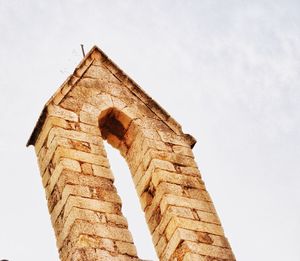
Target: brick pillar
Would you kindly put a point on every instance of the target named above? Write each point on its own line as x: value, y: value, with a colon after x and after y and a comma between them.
x: 179, y: 212
x: 99, y: 102
x: 83, y: 203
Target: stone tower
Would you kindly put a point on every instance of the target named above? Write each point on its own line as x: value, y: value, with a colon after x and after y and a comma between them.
x: 100, y: 102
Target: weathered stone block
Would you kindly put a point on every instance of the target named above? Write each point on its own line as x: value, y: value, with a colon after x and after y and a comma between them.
x: 209, y: 250
x: 178, y: 222
x: 80, y: 156
x: 185, y: 202
x: 60, y: 112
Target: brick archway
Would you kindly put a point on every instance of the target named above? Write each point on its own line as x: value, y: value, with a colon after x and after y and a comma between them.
x: 99, y: 102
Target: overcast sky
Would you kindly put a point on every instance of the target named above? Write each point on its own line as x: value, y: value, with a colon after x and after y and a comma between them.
x: 227, y: 71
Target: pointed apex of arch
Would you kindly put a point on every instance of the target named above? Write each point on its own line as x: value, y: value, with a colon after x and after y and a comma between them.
x: 95, y: 53
x: 90, y: 66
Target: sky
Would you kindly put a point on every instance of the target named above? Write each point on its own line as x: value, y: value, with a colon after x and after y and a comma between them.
x: 227, y: 71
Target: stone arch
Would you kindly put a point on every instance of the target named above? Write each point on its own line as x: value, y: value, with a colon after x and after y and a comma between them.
x: 99, y: 102
x: 161, y: 164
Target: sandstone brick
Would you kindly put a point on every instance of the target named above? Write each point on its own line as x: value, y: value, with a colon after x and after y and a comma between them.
x: 117, y: 90
x: 70, y: 200
x: 136, y: 128
x: 209, y: 250
x: 170, y: 248
x: 126, y: 248
x: 71, y: 235
x: 106, y: 256
x: 167, y: 156
x: 105, y: 195
x: 132, y: 112
x: 65, y: 253
x: 95, y: 242
x: 63, y: 164
x: 76, y: 178
x: 159, y: 194
x: 87, y: 118
x: 120, y: 105
x: 172, y: 138
x: 159, y: 176
x: 146, y: 199
x: 83, y: 90
x: 90, y: 129
x: 118, y: 220
x: 193, y: 257
x: 185, y: 202
x: 76, y: 214
x: 99, y: 58
x: 183, y: 234
x: 154, y: 220
x: 102, y: 101
x: 151, y: 121
x: 91, y: 204
x: 134, y: 155
x: 69, y: 84
x: 174, y: 125
x: 183, y: 150
x: 67, y: 191
x: 46, y: 177
x: 60, y: 112
x: 161, y: 245
x: 74, y: 135
x: 208, y: 217
x: 53, y: 198
x: 113, y: 232
x: 80, y: 146
x: 98, y: 149
x: 146, y: 110
x: 142, y: 180
x: 58, y: 97
x: 49, y: 123
x: 87, y: 168
x: 198, y: 194
x: 104, y: 172
x: 42, y: 153
x: 178, y: 222
x: 154, y: 144
x: 123, y: 149
x: 192, y: 171
x: 93, y: 110
x: 80, y: 156
x: 100, y: 72
x: 82, y: 254
x: 71, y: 103
x: 57, y: 141
x: 131, y: 133
x: 168, y: 215
x: 87, y: 87
x: 162, y: 189
x: 178, y: 190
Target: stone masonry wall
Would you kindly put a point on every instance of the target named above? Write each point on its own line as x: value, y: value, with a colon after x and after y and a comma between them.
x: 100, y: 103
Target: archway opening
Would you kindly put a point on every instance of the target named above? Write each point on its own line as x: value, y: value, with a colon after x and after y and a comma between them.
x: 130, y: 205
x: 113, y: 126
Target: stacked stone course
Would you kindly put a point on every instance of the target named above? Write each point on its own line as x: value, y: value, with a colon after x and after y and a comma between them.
x: 99, y: 102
